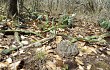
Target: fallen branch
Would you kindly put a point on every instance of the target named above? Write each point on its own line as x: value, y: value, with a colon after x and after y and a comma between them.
x: 9, y: 51
x: 21, y: 32
x: 91, y: 39
x: 16, y: 34
x: 36, y: 44
x: 39, y: 43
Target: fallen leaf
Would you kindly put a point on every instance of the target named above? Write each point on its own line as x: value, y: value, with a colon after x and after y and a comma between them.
x: 14, y: 66
x: 59, y: 63
x: 50, y: 65
x: 25, y: 42
x: 23, y: 37
x: 58, y: 39
x: 103, y: 55
x: 3, y: 65
x: 80, y: 53
x: 88, y: 50
x: 89, y: 67
x: 60, y: 29
x: 108, y: 52
x: 81, y: 67
x: 79, y: 61
x: 9, y: 60
x: 57, y: 57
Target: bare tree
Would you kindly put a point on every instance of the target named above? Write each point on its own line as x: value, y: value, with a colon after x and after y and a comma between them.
x: 12, y: 9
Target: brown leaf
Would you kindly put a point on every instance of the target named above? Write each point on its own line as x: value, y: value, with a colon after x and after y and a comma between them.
x: 3, y: 65
x: 14, y: 66
x: 58, y: 39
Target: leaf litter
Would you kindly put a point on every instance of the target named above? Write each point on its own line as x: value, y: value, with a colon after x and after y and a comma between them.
x: 34, y: 48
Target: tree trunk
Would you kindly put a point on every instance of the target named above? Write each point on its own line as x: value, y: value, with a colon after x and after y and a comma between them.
x: 12, y: 9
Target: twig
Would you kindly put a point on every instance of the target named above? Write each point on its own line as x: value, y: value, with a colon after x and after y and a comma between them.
x: 36, y: 44
x: 39, y: 43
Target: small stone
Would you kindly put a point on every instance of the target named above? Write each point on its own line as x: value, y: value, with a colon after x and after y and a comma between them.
x: 66, y: 49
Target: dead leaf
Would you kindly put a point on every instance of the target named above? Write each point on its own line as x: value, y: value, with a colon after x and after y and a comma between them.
x: 25, y: 42
x: 57, y: 57
x: 50, y: 65
x: 80, y: 53
x: 81, y: 67
x: 88, y: 50
x: 59, y: 63
x: 58, y: 39
x: 60, y: 29
x: 23, y: 37
x: 89, y: 67
x: 108, y: 52
x: 14, y: 66
x: 79, y: 61
x: 9, y: 60
x: 3, y: 65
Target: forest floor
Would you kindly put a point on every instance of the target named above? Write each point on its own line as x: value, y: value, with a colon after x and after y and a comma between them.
x: 32, y: 45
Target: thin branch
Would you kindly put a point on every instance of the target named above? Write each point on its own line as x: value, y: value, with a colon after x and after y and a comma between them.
x: 39, y: 43
x: 22, y: 32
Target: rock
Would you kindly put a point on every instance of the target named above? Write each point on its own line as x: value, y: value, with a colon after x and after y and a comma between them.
x: 66, y: 49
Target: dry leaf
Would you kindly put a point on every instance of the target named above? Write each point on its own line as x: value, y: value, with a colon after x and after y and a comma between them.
x: 23, y: 37
x: 3, y: 65
x: 60, y: 29
x: 59, y: 63
x: 103, y: 55
x: 15, y: 54
x: 88, y: 50
x: 9, y: 60
x: 48, y: 47
x: 50, y: 65
x: 80, y: 53
x: 58, y: 39
x: 81, y: 67
x: 79, y: 61
x: 57, y: 57
x: 108, y: 52
x: 21, y: 51
x: 81, y: 44
x: 89, y: 67
x: 25, y: 42
x: 14, y: 66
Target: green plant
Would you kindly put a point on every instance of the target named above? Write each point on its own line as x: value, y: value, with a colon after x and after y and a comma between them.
x: 104, y: 23
x: 40, y: 55
x: 67, y: 19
